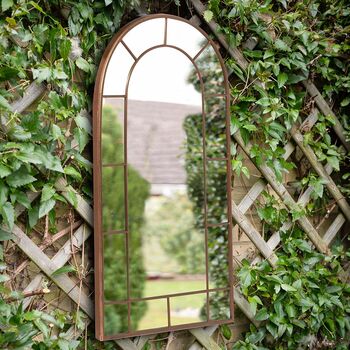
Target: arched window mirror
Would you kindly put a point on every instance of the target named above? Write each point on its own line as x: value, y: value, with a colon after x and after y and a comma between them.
x: 163, y: 246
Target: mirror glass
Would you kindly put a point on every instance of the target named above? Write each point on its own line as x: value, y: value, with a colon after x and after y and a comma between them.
x: 165, y: 229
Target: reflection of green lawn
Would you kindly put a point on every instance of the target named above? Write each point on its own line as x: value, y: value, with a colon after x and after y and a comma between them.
x: 156, y: 313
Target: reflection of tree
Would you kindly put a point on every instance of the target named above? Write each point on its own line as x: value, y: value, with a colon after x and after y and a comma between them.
x: 215, y: 139
x: 173, y: 224
x: 116, y: 316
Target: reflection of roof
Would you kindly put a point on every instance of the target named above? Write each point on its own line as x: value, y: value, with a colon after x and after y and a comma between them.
x: 156, y: 139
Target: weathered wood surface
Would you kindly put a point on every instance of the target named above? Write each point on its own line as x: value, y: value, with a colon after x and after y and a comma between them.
x: 48, y: 267
x: 286, y: 198
x: 32, y: 93
x: 326, y: 110
x: 254, y: 235
x: 317, y: 166
x: 83, y: 207
x: 334, y: 228
x: 210, y: 331
x: 204, y: 338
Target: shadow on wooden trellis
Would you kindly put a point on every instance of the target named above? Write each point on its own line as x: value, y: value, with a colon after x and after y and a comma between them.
x: 43, y: 258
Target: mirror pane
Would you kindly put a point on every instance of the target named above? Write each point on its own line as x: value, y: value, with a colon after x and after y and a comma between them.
x: 218, y: 257
x: 145, y: 35
x: 149, y: 314
x: 113, y: 199
x: 188, y: 309
x: 219, y: 305
x: 115, y: 267
x: 115, y: 319
x: 216, y: 194
x: 117, y: 71
x: 211, y: 72
x: 185, y: 36
x: 165, y: 82
x: 112, y: 133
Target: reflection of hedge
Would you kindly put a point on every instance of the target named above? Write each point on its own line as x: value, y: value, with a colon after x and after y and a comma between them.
x: 116, y: 319
x: 216, y: 199
x: 215, y: 129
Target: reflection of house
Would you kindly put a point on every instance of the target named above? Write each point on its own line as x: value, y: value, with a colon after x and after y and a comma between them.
x: 156, y: 142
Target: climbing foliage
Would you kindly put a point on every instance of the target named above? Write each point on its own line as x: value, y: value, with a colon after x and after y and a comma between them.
x: 51, y: 46
x: 303, y: 302
x: 57, y: 45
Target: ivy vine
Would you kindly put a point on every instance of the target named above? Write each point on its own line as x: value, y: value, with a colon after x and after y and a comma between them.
x: 58, y: 44
x: 302, y: 303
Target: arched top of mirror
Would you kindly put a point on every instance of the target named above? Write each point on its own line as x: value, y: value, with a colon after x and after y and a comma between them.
x: 126, y: 50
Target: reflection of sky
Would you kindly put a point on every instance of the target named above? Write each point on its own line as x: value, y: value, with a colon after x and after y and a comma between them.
x: 161, y: 75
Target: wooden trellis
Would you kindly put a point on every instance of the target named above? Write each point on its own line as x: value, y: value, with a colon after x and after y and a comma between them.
x: 197, y: 338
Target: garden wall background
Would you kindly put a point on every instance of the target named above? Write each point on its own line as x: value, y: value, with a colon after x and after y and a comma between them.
x: 289, y: 73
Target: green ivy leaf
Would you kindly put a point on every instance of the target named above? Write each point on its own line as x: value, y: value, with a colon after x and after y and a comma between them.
x: 72, y: 197
x: 71, y: 171
x: 22, y: 198
x: 5, y: 235
x: 288, y: 288
x: 281, y: 45
x: 256, y: 337
x: 83, y: 64
x: 4, y: 171
x: 4, y: 104
x: 47, y: 192
x: 20, y: 178
x: 4, y: 278
x: 45, y: 207
x: 250, y: 127
x: 265, y: 102
x: 7, y: 73
x: 65, y: 48
x: 83, y: 123
x: 226, y: 331
x: 42, y: 327
x: 18, y: 133
x: 8, y: 213
x: 334, y: 162
x: 262, y: 314
x: 3, y: 192
x: 282, y: 79
x: 64, y: 269
x: 290, y: 310
x: 246, y: 172
x: 42, y: 74
x: 245, y: 276
x: 208, y: 15
x: 33, y: 216
x: 81, y: 137
x: 345, y: 102
x: 281, y: 329
x: 6, y: 4
x: 254, y: 301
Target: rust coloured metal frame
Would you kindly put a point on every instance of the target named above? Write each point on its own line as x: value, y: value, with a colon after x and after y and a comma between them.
x: 97, y: 178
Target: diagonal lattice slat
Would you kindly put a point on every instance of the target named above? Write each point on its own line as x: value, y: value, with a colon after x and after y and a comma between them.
x: 48, y: 267
x: 317, y: 166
